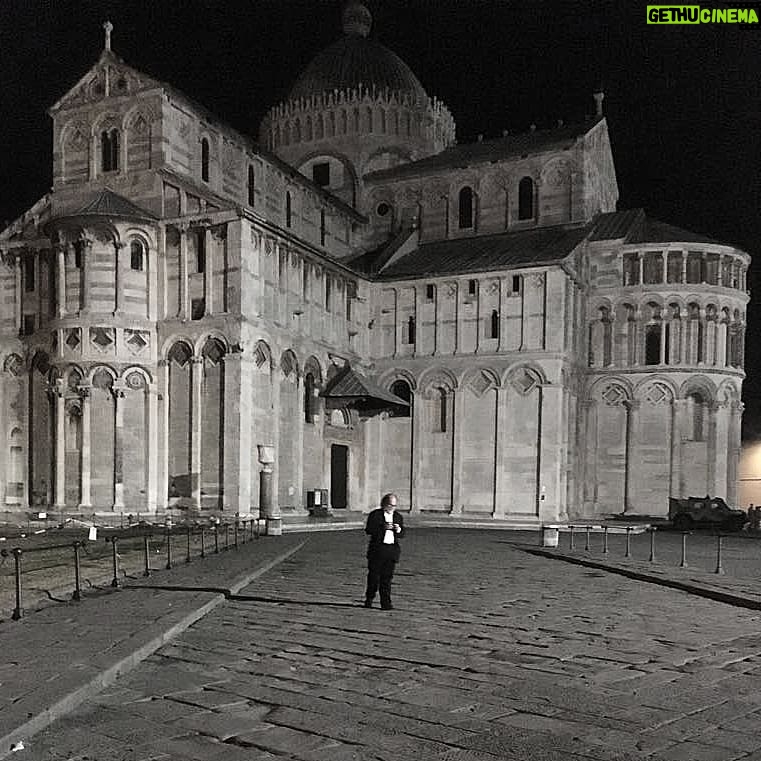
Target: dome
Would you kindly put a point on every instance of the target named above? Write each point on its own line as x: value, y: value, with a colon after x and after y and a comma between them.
x: 356, y: 60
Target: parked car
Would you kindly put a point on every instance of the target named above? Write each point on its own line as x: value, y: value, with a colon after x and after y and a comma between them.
x: 692, y: 512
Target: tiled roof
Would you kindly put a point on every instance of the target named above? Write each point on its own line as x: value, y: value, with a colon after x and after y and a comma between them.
x: 110, y: 204
x: 468, y: 154
x: 487, y: 252
x: 352, y: 385
x: 635, y: 227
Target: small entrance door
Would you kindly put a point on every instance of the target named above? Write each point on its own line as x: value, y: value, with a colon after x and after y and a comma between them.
x: 339, y: 473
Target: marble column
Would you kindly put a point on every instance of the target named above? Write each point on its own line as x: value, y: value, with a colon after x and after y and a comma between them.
x: 416, y: 466
x: 85, y: 499
x: 19, y: 301
x: 86, y: 249
x: 162, y: 434
x: 60, y: 251
x: 677, y: 413
x: 500, y: 445
x: 196, y: 403
x: 60, y: 446
x: 713, y: 410
x: 118, y: 278
x: 152, y: 448
x: 183, y: 308
x: 632, y: 453
x: 237, y: 433
x: 208, y: 273
x: 733, y: 453
x: 457, y: 397
x: 118, y: 394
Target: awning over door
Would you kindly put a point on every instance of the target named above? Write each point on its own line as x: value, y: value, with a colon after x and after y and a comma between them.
x: 350, y: 388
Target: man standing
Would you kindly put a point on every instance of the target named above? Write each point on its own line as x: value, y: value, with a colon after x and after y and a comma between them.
x: 385, y: 526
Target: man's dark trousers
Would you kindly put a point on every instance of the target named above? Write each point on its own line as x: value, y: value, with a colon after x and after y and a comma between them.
x: 380, y: 570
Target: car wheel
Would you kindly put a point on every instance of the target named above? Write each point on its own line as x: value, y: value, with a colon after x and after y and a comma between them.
x: 683, y: 523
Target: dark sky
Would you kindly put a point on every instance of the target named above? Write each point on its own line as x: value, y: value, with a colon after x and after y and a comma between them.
x: 683, y: 103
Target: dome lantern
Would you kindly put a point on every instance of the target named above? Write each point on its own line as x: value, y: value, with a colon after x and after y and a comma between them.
x: 357, y: 19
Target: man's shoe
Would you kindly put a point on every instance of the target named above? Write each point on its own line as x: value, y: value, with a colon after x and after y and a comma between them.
x: 368, y: 603
x: 387, y: 607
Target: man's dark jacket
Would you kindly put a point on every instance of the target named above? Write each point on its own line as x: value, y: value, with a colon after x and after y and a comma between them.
x: 376, y: 528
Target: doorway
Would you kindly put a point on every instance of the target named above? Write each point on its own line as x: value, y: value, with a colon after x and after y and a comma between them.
x: 339, y: 475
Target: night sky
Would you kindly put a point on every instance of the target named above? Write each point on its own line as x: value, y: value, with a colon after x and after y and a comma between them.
x: 683, y: 103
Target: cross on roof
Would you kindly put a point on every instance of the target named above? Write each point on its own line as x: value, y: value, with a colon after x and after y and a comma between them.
x: 109, y: 27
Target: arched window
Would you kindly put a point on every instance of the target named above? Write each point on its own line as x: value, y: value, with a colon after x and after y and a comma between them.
x: 402, y: 389
x: 411, y: 330
x: 251, y: 186
x: 288, y: 209
x: 205, y: 160
x: 441, y: 399
x: 310, y: 406
x: 201, y: 251
x: 526, y: 198
x: 109, y: 150
x: 494, y: 327
x: 136, y: 256
x: 466, y: 208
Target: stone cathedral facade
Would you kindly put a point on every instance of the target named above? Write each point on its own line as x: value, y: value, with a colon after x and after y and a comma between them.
x: 359, y: 302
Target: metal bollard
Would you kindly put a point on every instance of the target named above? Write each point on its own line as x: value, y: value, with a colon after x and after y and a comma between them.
x: 115, y: 561
x: 203, y: 544
x: 168, y: 548
x: 235, y: 534
x: 586, y: 543
x: 18, y: 611
x: 683, y: 562
x: 187, y: 554
x: 146, y: 554
x: 258, y: 529
x: 571, y: 546
x: 227, y: 536
x: 652, y: 544
x: 77, y: 593
x: 605, y: 540
x: 216, y: 539
x: 719, y: 567
x: 628, y: 553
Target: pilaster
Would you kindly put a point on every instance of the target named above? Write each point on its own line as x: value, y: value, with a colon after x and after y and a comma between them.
x: 195, y: 430
x: 85, y: 498
x: 632, y: 439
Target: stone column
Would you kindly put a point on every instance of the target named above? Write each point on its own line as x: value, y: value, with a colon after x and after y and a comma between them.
x: 274, y: 445
x: 641, y: 268
x: 118, y: 278
x: 500, y: 496
x: 61, y: 279
x: 183, y: 310
x: 237, y: 433
x: 60, y: 446
x: 208, y: 273
x: 675, y: 488
x: 85, y: 499
x: 118, y: 393
x: 733, y: 454
x: 162, y: 435
x: 632, y: 438
x: 684, y: 267
x: 19, y: 294
x: 86, y: 244
x: 416, y: 466
x: 152, y: 448
x: 550, y: 454
x: 161, y: 292
x: 196, y: 403
x: 713, y: 410
x: 589, y: 452
x: 457, y: 396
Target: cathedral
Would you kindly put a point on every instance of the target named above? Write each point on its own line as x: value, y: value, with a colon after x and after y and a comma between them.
x: 352, y: 302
